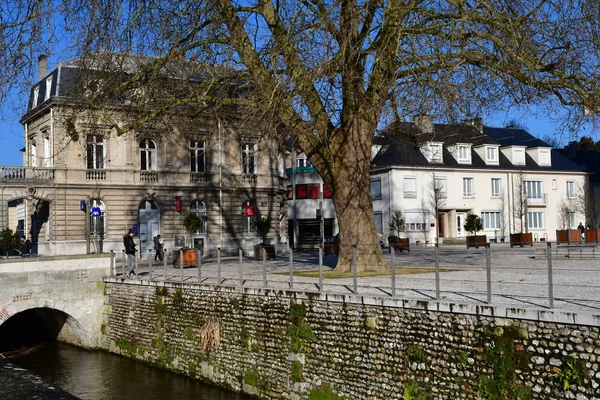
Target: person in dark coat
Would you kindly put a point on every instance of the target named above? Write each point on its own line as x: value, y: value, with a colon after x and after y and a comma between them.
x: 130, y: 251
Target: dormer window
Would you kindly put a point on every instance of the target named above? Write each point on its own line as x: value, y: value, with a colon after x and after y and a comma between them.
x: 491, y: 155
x: 48, y: 88
x: 36, y: 94
x: 464, y: 155
x: 519, y: 156
x: 436, y: 152
x: 433, y: 152
x: 544, y: 157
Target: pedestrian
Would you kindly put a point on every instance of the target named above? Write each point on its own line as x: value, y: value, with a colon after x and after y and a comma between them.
x: 130, y: 251
x: 25, y: 247
x: 581, y: 230
x: 159, y: 246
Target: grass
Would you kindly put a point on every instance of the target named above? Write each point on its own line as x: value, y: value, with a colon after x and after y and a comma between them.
x: 333, y: 274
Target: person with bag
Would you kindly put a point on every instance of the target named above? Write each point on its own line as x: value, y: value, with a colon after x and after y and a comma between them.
x: 130, y: 251
x: 159, y: 247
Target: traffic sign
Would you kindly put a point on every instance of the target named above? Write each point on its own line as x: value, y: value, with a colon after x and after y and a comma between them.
x: 96, y: 212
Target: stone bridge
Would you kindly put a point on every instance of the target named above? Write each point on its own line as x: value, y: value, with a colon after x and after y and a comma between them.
x: 53, y: 297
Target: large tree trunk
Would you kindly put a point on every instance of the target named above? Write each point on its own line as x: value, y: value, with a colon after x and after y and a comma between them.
x: 350, y: 179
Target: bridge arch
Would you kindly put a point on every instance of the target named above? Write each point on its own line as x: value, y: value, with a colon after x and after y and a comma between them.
x: 30, y: 322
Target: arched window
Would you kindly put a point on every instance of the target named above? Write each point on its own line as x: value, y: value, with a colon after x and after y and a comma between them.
x: 249, y: 219
x: 199, y: 208
x: 147, y: 155
x: 97, y: 217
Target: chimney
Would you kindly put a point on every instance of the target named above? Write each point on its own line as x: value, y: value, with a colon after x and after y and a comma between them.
x: 572, y: 149
x: 424, y: 123
x: 42, y: 65
x: 476, y: 122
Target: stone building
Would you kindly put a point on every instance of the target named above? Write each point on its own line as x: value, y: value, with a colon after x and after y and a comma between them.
x: 149, y: 178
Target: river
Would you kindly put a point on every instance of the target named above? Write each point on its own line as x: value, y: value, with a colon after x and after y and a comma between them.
x: 97, y: 375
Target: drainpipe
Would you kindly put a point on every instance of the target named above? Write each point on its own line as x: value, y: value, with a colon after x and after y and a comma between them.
x: 294, y: 220
x: 220, y: 185
x: 508, y: 199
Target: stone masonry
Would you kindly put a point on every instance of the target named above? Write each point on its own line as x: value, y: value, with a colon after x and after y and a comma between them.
x: 291, y: 345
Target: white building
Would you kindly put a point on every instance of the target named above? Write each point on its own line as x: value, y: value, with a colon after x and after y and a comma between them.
x: 514, y: 181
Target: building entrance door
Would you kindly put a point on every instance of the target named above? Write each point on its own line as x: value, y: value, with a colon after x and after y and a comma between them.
x: 149, y: 215
x: 460, y: 220
x: 440, y: 222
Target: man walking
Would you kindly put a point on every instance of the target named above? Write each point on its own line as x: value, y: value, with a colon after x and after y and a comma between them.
x: 130, y: 254
x: 159, y: 247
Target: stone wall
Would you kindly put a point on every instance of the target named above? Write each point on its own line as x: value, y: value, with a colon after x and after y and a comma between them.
x: 285, y: 345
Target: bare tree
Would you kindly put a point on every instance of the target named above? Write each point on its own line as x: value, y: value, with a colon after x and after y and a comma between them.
x: 504, y: 213
x: 520, y: 202
x: 588, y: 204
x: 565, y: 210
x: 437, y: 200
x: 329, y: 73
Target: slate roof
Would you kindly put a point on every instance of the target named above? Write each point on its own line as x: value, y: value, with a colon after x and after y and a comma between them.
x: 400, y: 148
x: 589, y: 159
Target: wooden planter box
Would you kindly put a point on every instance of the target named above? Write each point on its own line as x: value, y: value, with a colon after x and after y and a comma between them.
x: 400, y: 244
x: 331, y: 249
x: 189, y: 257
x: 521, y: 239
x: 268, y: 248
x: 476, y: 241
x: 592, y: 235
x: 568, y: 236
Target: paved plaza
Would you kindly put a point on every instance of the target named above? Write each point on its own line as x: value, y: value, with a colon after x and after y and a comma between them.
x: 519, y: 276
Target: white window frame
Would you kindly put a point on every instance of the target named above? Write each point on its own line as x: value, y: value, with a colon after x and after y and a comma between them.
x: 249, y: 158
x: 491, y: 155
x: 48, y: 87
x: 466, y: 157
x: 47, y: 152
x: 409, y: 194
x: 571, y: 218
x: 440, y: 184
x: 97, y: 162
x: 534, y: 189
x: 416, y: 221
x: 492, y: 220
x: 378, y: 221
x: 198, y: 154
x: 535, y: 220
x: 468, y: 188
x: 521, y: 155
x: 149, y: 153
x: 546, y: 154
x: 33, y: 154
x: 496, y: 187
x: 199, y: 208
x: 374, y: 195
x: 436, y: 151
x: 36, y: 95
x: 571, y: 189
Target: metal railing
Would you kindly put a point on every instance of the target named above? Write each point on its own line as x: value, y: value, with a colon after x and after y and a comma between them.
x: 543, y: 277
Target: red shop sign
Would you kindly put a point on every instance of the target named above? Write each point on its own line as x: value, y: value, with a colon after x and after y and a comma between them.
x: 249, y: 212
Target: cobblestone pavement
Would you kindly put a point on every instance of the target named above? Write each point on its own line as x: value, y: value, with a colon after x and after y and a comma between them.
x: 518, y: 277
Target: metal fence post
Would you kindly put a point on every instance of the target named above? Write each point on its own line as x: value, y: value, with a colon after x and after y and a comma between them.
x: 218, y: 265
x: 488, y: 264
x: 150, y: 265
x: 240, y: 252
x: 113, y: 269
x: 291, y: 269
x: 354, y: 270
x: 181, y: 264
x: 264, y: 257
x: 550, y: 283
x: 320, y: 268
x: 165, y: 264
x: 199, y: 264
x: 393, y: 254
x: 124, y: 262
x: 437, y: 272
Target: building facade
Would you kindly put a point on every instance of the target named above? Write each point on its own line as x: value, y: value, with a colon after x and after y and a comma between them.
x: 149, y: 179
x: 513, y: 181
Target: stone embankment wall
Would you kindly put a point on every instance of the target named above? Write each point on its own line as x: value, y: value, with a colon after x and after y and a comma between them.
x: 285, y: 345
